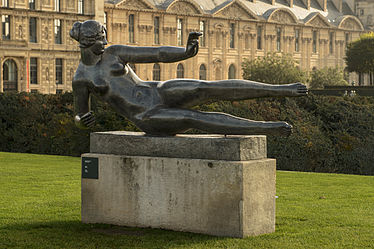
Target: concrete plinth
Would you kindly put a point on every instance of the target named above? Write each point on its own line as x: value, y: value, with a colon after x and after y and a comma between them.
x: 196, y: 193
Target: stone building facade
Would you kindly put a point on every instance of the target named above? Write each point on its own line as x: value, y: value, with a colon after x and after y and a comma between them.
x: 364, y: 10
x: 36, y: 52
x: 314, y: 32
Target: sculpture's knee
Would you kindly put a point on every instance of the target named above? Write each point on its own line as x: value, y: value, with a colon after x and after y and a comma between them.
x: 164, y: 121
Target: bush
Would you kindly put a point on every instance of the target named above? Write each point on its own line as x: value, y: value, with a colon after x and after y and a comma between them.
x: 331, y: 134
x: 360, y: 54
x: 273, y: 69
x: 35, y: 123
x: 327, y: 76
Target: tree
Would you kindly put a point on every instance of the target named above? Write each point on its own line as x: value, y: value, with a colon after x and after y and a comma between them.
x: 327, y: 76
x: 360, y: 54
x: 273, y: 69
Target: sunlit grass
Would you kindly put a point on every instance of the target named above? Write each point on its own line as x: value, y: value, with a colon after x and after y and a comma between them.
x: 40, y: 208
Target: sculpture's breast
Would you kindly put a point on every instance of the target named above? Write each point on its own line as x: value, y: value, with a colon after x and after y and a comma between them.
x: 118, y: 69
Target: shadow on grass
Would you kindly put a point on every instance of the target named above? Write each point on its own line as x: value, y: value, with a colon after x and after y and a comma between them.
x: 74, y: 234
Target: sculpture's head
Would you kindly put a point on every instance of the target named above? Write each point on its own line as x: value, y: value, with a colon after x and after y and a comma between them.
x: 90, y: 34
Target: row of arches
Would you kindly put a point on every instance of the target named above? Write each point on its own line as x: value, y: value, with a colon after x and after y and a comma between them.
x: 239, y: 9
x: 10, y: 73
x: 156, y: 71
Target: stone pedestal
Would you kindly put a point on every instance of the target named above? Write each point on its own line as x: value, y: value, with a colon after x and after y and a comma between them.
x: 210, y: 184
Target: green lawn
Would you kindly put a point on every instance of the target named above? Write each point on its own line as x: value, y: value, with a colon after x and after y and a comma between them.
x: 40, y: 208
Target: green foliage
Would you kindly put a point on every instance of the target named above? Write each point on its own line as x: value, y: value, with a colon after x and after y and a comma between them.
x: 40, y: 208
x: 273, y: 69
x: 327, y: 76
x: 331, y: 134
x: 43, y: 124
x: 360, y: 54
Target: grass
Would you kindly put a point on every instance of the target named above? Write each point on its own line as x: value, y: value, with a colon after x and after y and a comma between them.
x: 40, y: 208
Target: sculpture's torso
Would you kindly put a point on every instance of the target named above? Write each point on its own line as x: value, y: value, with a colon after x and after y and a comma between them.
x: 114, y: 81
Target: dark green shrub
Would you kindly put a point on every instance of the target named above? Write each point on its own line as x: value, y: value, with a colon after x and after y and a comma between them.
x: 360, y: 54
x: 35, y: 123
x: 331, y: 134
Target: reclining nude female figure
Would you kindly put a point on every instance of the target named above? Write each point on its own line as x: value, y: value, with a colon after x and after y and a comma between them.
x: 161, y: 107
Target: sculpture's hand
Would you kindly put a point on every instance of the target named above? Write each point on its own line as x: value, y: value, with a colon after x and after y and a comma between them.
x: 84, y: 121
x: 192, y: 44
x: 296, y: 90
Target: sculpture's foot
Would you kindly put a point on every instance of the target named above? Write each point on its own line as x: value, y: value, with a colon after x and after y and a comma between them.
x: 295, y: 89
x: 280, y: 129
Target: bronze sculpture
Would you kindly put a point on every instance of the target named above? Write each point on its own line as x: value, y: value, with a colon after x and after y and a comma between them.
x: 161, y: 108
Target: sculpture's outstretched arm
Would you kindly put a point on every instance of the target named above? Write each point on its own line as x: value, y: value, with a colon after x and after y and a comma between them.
x: 83, y: 118
x: 130, y: 54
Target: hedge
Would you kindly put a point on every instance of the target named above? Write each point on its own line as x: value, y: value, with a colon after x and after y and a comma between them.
x: 36, y: 123
x: 331, y: 134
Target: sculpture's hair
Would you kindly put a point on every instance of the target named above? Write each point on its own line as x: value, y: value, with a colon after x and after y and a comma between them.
x: 74, y: 32
x: 86, y: 33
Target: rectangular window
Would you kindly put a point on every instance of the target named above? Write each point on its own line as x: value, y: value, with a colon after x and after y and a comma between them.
x: 314, y: 44
x: 279, y: 35
x: 218, y: 39
x: 202, y: 31
x: 105, y: 19
x: 80, y: 6
x: 180, y: 31
x: 31, y: 4
x: 33, y: 70
x: 58, y: 32
x: 131, y: 28
x: 6, y: 27
x: 259, y: 37
x: 297, y: 40
x: 156, y: 30
x: 57, y: 5
x: 32, y: 30
x: 232, y: 35
x: 59, y: 71
x: 58, y: 91
x: 347, y: 39
x: 5, y: 3
x: 246, y: 41
x: 331, y: 42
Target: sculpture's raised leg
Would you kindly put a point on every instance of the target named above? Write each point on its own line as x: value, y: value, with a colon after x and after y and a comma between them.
x: 187, y: 92
x: 169, y: 121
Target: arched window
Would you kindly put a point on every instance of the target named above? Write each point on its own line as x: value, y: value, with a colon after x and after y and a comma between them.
x: 10, y: 75
x: 156, y: 72
x: 133, y: 67
x: 202, y: 72
x: 180, y: 71
x: 232, y: 72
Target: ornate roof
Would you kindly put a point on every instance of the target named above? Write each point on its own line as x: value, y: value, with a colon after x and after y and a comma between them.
x: 332, y: 15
